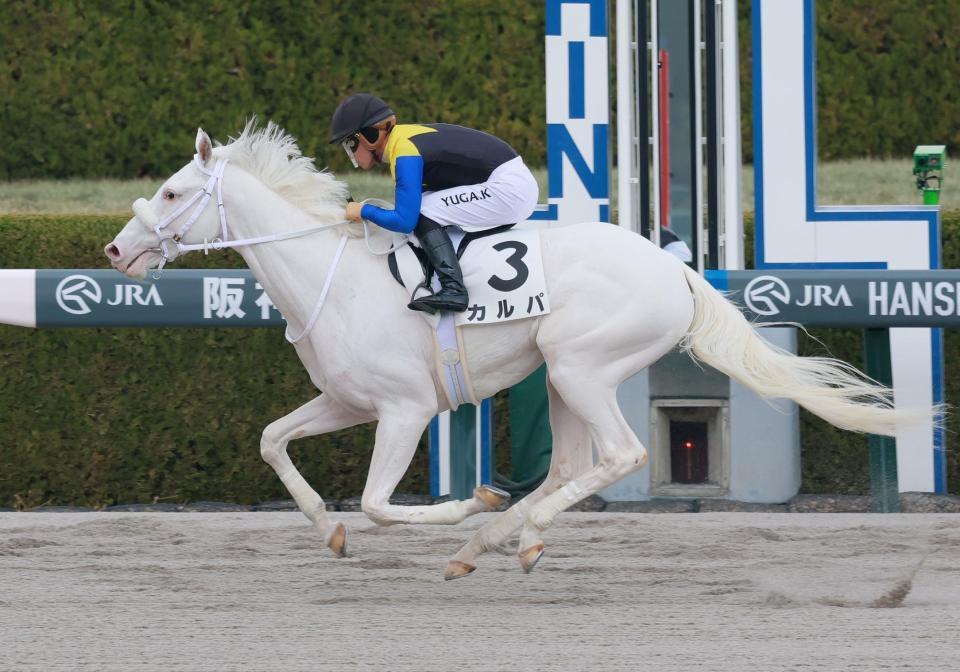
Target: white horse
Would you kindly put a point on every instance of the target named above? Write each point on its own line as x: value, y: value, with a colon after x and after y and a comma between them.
x: 618, y: 303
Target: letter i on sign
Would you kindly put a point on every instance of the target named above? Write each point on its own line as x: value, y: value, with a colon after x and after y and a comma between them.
x: 578, y: 112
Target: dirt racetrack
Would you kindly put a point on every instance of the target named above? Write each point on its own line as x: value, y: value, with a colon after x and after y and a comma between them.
x: 659, y: 593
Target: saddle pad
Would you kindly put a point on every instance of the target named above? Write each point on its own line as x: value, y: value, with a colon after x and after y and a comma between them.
x: 503, y: 274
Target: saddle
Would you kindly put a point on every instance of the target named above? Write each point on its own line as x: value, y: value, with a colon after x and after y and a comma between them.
x: 461, y: 246
x: 503, y: 274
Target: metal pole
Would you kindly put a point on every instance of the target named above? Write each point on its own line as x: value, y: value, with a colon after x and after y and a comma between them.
x: 696, y: 55
x: 463, y: 454
x: 663, y: 133
x: 626, y: 123
x: 730, y: 87
x: 883, y: 449
x: 714, y: 118
x: 654, y: 53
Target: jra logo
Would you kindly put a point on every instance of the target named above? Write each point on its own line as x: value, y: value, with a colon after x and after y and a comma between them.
x: 77, y: 294
x: 74, y: 291
x: 129, y: 295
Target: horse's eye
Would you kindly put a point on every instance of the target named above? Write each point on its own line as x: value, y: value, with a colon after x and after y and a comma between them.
x: 169, y: 195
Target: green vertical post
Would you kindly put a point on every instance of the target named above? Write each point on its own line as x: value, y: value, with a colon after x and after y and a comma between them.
x: 883, y: 449
x: 463, y: 451
x: 531, y: 441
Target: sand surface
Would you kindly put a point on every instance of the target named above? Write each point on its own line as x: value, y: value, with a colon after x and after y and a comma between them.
x: 658, y: 593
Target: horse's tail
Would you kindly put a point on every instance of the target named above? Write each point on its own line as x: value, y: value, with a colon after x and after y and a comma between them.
x: 723, y: 338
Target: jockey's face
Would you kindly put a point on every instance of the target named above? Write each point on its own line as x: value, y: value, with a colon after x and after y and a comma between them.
x: 369, y: 154
x: 366, y: 154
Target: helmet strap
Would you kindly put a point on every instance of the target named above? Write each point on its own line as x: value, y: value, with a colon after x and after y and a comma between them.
x: 353, y: 158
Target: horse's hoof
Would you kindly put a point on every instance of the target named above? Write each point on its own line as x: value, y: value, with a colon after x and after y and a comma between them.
x: 338, y: 541
x: 530, y: 557
x: 458, y: 570
x: 491, y: 496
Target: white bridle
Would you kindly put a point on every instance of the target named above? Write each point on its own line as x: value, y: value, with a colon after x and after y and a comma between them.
x: 171, y: 246
x: 203, y: 196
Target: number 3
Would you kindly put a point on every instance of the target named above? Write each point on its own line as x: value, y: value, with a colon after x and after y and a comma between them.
x: 516, y: 262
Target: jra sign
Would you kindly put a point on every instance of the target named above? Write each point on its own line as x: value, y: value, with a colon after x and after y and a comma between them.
x: 234, y: 298
x: 105, y: 298
x: 846, y: 298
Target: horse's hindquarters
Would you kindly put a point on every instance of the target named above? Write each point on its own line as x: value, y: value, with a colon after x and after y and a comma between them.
x: 617, y: 304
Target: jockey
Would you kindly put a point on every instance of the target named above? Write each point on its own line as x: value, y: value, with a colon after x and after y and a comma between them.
x: 444, y: 175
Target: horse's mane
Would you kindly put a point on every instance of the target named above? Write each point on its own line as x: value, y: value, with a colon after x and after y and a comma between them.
x: 271, y: 154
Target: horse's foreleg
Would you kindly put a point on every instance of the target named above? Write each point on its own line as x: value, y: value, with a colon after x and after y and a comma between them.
x: 398, y: 434
x: 319, y: 416
x: 570, y: 458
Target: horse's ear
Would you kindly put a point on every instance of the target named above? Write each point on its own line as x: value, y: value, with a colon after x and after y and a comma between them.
x: 204, y: 146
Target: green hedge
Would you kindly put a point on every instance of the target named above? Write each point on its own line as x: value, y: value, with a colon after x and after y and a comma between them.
x: 104, y: 416
x: 886, y: 74
x: 115, y: 89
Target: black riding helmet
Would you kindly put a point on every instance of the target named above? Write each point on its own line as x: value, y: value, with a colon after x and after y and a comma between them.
x: 359, y: 111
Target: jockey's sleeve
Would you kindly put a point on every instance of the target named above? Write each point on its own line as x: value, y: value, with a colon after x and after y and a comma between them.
x: 407, y: 199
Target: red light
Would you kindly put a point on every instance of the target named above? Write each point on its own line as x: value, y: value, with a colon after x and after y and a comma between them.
x: 688, y: 445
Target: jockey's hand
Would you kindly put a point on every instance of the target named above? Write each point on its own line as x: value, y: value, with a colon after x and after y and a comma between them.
x: 353, y: 211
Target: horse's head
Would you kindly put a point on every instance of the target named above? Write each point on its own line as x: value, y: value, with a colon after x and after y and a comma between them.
x: 177, y: 212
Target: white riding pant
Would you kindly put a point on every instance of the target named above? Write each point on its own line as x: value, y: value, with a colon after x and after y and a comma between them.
x: 508, y: 196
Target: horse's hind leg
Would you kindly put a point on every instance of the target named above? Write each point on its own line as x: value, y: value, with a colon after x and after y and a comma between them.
x: 571, y: 457
x: 618, y: 449
x: 318, y: 416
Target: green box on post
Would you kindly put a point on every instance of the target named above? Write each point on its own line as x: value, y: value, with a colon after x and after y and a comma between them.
x: 928, y: 162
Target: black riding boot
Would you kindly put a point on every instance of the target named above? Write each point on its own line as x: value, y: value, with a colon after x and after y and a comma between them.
x: 441, y: 255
